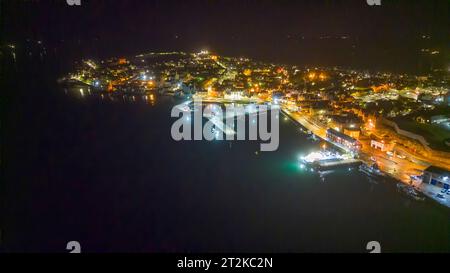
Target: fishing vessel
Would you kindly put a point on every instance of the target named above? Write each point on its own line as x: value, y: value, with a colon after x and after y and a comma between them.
x: 372, y: 171
x: 410, y: 191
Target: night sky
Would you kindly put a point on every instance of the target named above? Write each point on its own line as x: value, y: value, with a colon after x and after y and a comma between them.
x: 298, y: 32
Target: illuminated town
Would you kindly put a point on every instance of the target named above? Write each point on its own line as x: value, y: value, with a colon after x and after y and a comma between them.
x: 398, y: 125
x: 237, y: 128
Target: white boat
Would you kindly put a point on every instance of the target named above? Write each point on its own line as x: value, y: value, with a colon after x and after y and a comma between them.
x: 324, y: 173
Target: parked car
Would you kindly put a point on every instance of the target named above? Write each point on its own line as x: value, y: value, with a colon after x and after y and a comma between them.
x: 440, y: 196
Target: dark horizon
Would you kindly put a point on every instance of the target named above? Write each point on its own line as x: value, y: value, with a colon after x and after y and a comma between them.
x: 326, y: 33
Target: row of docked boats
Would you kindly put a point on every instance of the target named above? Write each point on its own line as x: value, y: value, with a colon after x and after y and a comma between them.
x: 373, y: 171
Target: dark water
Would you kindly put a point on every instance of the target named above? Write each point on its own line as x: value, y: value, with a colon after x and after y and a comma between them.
x: 109, y: 175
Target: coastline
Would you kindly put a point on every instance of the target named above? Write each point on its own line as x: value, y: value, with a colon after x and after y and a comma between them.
x: 429, y: 191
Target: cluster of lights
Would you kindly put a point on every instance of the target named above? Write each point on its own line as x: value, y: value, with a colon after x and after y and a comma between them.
x: 321, y: 155
x: 313, y: 75
x: 144, y: 77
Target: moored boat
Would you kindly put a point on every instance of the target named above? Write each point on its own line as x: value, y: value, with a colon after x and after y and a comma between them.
x: 410, y: 191
x: 372, y: 171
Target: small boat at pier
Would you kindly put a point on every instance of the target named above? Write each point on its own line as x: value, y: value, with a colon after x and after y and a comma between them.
x: 371, y: 171
x: 410, y: 191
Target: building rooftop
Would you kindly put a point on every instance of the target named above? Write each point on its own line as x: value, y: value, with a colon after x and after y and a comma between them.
x: 341, y: 135
x: 437, y: 170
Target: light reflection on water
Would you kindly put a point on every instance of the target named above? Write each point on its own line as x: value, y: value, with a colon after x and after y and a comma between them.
x: 219, y: 195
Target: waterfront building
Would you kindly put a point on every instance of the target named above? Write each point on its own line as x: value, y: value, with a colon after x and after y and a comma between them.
x: 343, y: 139
x: 436, y: 176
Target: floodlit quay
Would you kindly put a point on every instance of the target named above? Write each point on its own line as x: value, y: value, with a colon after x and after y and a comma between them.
x: 400, y: 169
